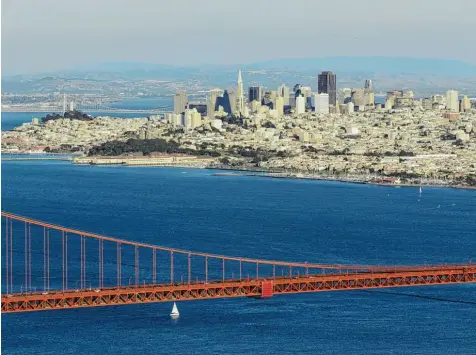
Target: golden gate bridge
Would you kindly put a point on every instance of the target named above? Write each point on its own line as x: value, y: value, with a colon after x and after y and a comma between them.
x: 51, y: 267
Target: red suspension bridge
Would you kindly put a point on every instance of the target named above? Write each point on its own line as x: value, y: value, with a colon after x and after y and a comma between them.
x: 49, y: 267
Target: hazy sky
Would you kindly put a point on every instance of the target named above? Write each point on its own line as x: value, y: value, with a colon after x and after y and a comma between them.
x: 57, y: 34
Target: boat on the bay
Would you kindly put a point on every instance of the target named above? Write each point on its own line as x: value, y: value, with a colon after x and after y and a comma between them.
x: 175, y: 313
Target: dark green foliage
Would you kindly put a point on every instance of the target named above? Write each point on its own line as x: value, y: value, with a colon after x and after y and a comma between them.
x: 73, y: 115
x: 146, y: 147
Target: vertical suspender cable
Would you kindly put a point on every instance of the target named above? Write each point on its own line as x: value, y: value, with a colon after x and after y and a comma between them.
x: 7, y: 253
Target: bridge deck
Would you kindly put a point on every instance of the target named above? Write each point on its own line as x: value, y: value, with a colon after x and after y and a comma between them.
x: 264, y: 287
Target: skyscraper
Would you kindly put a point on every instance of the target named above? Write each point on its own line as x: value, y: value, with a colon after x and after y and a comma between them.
x: 240, y: 101
x: 321, y: 103
x: 180, y: 102
x: 255, y: 93
x: 270, y: 98
x: 212, y: 101
x: 226, y: 101
x: 369, y: 95
x: 326, y: 84
x: 279, y: 106
x: 452, y: 102
x: 300, y: 105
x: 465, y: 104
x: 283, y: 91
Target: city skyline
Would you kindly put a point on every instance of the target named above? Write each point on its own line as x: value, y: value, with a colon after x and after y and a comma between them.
x: 408, y: 30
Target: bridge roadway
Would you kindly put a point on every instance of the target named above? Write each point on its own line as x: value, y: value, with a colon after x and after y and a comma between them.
x: 90, y: 109
x: 258, y: 288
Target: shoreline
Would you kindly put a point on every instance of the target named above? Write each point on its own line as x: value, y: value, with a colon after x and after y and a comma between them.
x: 264, y: 174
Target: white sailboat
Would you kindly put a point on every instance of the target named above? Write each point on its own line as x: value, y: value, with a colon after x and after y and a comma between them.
x: 175, y: 313
x: 420, y: 190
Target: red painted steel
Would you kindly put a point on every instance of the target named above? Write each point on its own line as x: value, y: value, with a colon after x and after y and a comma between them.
x: 252, y: 288
x: 7, y: 253
x: 306, y: 277
x: 266, y: 289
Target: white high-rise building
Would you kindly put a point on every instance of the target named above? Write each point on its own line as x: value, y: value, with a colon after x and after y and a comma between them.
x: 279, y: 106
x: 452, y: 102
x: 321, y: 103
x: 196, y: 119
x: 465, y: 104
x: 300, y: 105
x: 240, y: 100
x: 283, y: 91
x: 187, y: 118
x: 180, y: 102
x: 306, y: 91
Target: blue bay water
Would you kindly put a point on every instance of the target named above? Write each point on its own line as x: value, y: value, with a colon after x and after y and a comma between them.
x: 10, y: 120
x: 325, y: 222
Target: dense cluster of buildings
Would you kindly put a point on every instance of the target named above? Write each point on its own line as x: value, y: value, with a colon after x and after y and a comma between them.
x: 301, y: 99
x: 331, y: 130
x: 277, y: 102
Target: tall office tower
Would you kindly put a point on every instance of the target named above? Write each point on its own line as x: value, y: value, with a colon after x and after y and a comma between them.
x: 369, y: 98
x: 358, y: 97
x: 465, y: 104
x: 196, y: 119
x: 255, y: 106
x: 240, y: 101
x: 297, y: 90
x: 300, y: 105
x: 187, y: 118
x: 180, y: 102
x: 452, y: 102
x: 369, y: 94
x: 255, y: 93
x: 306, y: 91
x: 292, y: 100
x: 212, y: 101
x: 233, y: 103
x: 270, y: 98
x: 344, y: 95
x: 279, y: 106
x: 283, y: 91
x: 321, y: 103
x: 225, y: 101
x: 326, y: 84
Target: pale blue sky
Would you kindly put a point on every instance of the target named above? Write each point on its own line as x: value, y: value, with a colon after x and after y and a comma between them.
x: 57, y: 34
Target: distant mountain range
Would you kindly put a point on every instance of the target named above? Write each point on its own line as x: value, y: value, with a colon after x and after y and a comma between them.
x: 388, y: 73
x: 339, y: 65
x: 381, y: 65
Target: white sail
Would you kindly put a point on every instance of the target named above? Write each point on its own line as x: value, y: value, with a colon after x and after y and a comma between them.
x: 175, y: 312
x: 420, y: 189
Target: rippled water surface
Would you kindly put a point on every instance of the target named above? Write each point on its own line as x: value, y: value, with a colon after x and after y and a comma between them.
x: 280, y: 219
